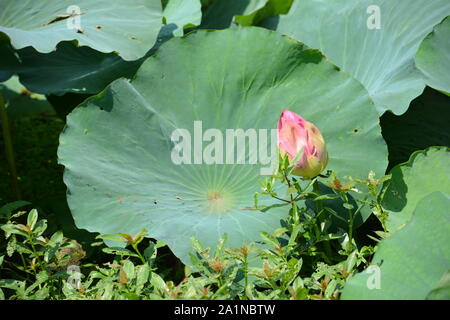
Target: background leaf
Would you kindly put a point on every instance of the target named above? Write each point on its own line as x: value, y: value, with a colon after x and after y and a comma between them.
x: 183, y: 13
x: 381, y: 59
x: 433, y: 57
x: 129, y: 28
x: 71, y: 69
x: 75, y: 69
x: 442, y: 290
x: 426, y: 172
x: 412, y: 260
x: 271, y: 8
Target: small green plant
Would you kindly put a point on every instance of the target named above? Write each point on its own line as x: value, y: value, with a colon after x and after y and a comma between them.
x: 36, y: 262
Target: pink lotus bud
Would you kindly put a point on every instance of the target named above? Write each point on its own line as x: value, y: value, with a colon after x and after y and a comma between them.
x: 295, y: 134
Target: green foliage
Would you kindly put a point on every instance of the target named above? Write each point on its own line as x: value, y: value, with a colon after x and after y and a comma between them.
x: 127, y: 74
x: 271, y: 8
x: 42, y: 260
x: 71, y: 69
x: 183, y: 14
x: 413, y: 259
x: 411, y: 182
x: 382, y: 59
x: 87, y: 68
x: 433, y: 57
x: 220, y: 14
x: 41, y: 267
x: 186, y: 195
x: 96, y: 29
x: 304, y: 259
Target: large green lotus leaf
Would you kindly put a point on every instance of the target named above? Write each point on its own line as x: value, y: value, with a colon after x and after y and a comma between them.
x: 424, y: 125
x: 117, y: 146
x: 128, y: 27
x: 413, y: 260
x: 433, y: 57
x: 183, y: 14
x: 381, y: 59
x: 426, y: 172
x: 71, y: 69
x: 20, y: 101
x: 220, y: 14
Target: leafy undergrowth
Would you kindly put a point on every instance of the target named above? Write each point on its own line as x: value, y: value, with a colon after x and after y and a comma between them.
x: 35, y: 264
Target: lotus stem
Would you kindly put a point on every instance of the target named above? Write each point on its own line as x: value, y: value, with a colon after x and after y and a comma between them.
x: 9, y: 150
x: 295, y: 216
x: 350, y: 216
x: 319, y: 207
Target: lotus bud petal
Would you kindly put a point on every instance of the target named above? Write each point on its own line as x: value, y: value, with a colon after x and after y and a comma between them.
x: 295, y: 134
